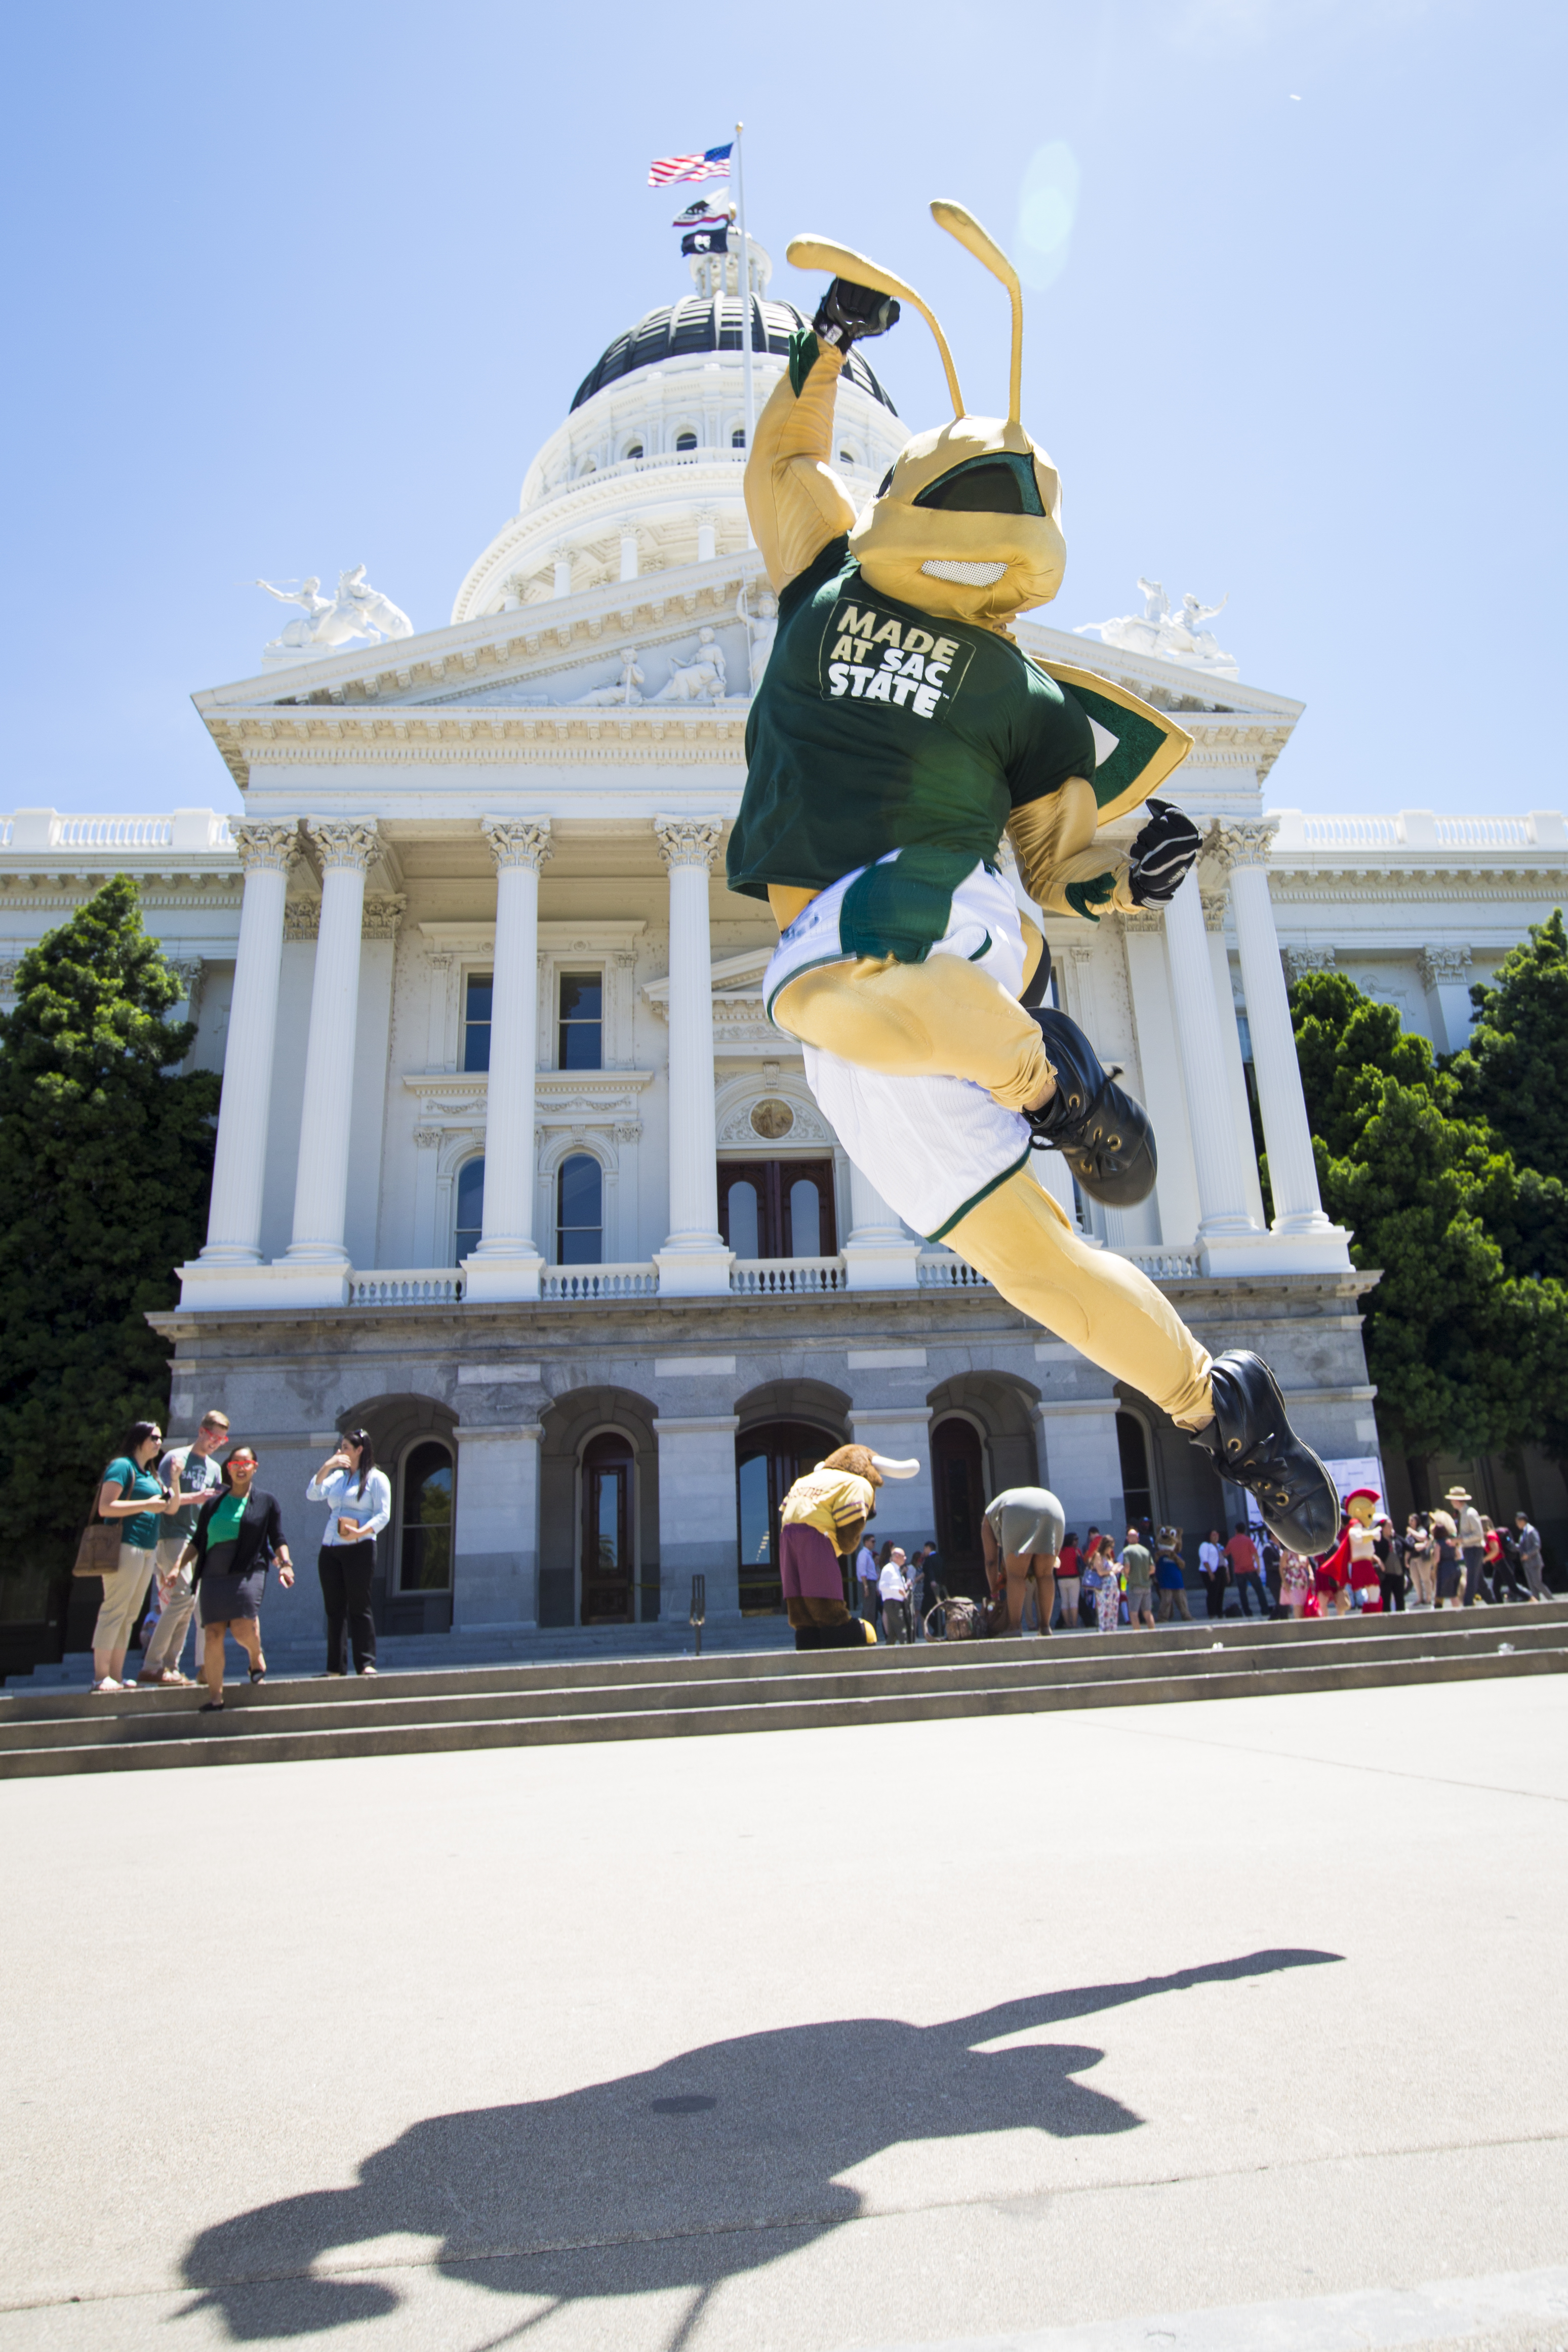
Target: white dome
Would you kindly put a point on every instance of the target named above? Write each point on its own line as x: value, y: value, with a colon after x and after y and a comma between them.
x: 646, y: 474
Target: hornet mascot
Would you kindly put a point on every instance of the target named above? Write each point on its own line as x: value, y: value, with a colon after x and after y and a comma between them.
x: 899, y: 730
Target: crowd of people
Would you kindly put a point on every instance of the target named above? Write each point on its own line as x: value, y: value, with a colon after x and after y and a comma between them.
x: 198, y: 1537
x: 1450, y: 1558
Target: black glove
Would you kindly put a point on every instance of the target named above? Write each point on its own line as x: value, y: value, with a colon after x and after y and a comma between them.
x: 847, y: 312
x: 1163, y: 854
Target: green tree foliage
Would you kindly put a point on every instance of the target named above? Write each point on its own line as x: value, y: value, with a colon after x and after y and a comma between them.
x: 1466, y: 1339
x: 105, y: 1164
x: 1514, y: 1071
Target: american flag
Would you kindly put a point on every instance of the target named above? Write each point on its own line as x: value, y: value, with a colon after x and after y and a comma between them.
x: 713, y: 163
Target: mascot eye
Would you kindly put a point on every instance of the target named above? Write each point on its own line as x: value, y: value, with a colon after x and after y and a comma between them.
x: 1001, y: 485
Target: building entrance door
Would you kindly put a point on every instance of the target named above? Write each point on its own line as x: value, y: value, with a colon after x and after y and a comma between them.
x: 608, y: 1567
x: 958, y: 1475
x: 769, y: 1460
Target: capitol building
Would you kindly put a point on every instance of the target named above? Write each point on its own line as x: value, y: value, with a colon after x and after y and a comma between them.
x: 511, y: 1167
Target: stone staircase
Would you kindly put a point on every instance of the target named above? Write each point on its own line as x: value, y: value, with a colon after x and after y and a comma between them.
x: 543, y: 1703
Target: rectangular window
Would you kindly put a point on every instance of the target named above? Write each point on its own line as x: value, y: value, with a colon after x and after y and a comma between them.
x: 476, y: 1021
x: 581, y: 1043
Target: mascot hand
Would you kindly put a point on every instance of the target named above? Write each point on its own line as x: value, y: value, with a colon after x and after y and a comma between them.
x: 1162, y: 856
x: 847, y: 312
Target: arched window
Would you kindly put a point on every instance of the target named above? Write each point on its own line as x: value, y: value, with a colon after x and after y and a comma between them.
x: 957, y: 1476
x: 685, y: 440
x: 1137, y: 1492
x: 743, y: 1226
x: 424, y: 1547
x: 805, y: 1218
x: 470, y: 1207
x: 580, y: 1211
x: 738, y: 438
x: 768, y: 1461
x: 634, y: 448
x: 848, y: 458
x: 608, y: 1564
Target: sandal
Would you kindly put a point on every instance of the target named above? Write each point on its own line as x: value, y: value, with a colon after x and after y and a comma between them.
x: 259, y: 1673
x: 211, y: 1706
x: 107, y: 1683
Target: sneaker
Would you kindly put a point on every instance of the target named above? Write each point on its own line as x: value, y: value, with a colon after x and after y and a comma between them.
x: 1100, y: 1130
x: 366, y: 1670
x: 1252, y: 1442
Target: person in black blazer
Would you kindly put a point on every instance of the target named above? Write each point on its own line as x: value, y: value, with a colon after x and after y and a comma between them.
x: 238, y: 1535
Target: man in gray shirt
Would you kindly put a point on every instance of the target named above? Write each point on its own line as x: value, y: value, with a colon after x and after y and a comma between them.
x: 1528, y: 1539
x: 1138, y: 1568
x: 194, y: 1472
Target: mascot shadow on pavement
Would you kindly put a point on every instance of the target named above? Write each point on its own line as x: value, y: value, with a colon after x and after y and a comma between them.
x: 710, y: 2166
x: 898, y: 732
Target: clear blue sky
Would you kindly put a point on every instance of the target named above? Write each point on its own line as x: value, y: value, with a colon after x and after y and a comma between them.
x: 298, y: 285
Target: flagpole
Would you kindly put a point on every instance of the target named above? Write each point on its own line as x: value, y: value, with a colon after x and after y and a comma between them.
x: 745, y: 289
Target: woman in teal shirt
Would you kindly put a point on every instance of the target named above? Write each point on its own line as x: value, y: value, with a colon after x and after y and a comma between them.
x: 238, y: 1535
x: 131, y: 1494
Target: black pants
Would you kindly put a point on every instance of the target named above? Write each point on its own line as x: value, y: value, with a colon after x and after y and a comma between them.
x: 1249, y: 1588
x: 345, y: 1570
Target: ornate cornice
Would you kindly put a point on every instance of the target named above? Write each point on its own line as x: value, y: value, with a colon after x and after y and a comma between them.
x: 267, y: 844
x: 342, y: 842
x: 517, y: 841
x: 688, y: 840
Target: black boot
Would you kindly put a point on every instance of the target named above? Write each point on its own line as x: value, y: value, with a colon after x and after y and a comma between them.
x: 1101, y: 1132
x: 1252, y: 1445
x: 855, y: 1635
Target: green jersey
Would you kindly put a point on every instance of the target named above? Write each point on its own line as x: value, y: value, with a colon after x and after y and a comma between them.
x: 877, y: 727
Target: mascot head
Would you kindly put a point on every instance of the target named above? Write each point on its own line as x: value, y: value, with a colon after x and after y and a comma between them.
x: 967, y: 523
x: 1360, y: 1504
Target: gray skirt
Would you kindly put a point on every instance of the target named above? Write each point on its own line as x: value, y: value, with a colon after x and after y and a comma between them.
x: 224, y: 1597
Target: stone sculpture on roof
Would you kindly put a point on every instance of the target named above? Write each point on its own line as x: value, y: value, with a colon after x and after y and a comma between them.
x: 327, y: 623
x: 704, y: 679
x: 1169, y: 635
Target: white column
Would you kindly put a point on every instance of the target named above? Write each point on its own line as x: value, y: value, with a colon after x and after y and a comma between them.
x: 1159, y: 1063
x: 562, y: 571
x: 879, y: 1254
x: 507, y: 1262
x: 322, y: 1180
x: 699, y: 1517
x: 1446, y: 975
x: 495, y: 1542
x: 693, y: 1262
x: 628, y: 555
x: 1292, y: 1172
x: 1223, y: 1221
x: 234, y: 1220
x: 905, y: 1507
x: 1231, y: 1046
x: 707, y: 537
x: 1081, y: 1460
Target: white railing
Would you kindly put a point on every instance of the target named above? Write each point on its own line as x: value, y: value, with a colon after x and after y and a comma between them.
x: 439, y: 1285
x: 1483, y: 832
x: 573, y: 1284
x: 1165, y: 1265
x: 198, y: 830
x: 758, y: 1278
x: 1351, y: 832
x: 115, y: 832
x: 940, y: 1270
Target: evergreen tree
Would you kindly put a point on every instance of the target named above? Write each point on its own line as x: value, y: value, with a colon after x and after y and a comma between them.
x: 1514, y: 1071
x: 1466, y: 1347
x: 105, y: 1165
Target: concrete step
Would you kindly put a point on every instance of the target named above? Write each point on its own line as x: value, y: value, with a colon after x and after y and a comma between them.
x: 483, y: 1706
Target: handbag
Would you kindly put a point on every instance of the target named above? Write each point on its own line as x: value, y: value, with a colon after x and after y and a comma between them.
x: 97, y: 1553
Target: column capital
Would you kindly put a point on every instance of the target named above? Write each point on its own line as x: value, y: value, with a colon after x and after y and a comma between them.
x: 688, y: 840
x: 1146, y: 920
x: 1251, y: 842
x: 1212, y: 910
x: 1301, y: 961
x: 267, y: 844
x: 382, y: 915
x: 1445, y: 967
x: 345, y: 841
x: 517, y: 841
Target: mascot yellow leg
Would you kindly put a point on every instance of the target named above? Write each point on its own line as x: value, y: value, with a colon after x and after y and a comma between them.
x: 940, y: 1019
x: 1019, y: 1239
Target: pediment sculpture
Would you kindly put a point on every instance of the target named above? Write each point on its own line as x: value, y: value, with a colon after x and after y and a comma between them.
x: 327, y: 623
x: 1166, y: 634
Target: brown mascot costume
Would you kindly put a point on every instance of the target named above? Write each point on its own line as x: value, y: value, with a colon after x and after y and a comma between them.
x: 825, y: 1517
x: 899, y: 730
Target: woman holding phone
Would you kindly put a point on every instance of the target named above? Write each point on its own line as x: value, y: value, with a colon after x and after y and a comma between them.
x: 358, y: 1501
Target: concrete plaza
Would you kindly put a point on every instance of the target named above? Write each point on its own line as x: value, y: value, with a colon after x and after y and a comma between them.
x: 1205, y: 2026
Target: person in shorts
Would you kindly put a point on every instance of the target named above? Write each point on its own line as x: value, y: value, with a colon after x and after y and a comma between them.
x: 1138, y: 1573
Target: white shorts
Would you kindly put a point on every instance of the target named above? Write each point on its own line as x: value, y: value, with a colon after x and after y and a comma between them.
x: 933, y: 1146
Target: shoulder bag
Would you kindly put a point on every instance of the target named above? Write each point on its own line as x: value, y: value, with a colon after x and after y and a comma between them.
x: 97, y: 1553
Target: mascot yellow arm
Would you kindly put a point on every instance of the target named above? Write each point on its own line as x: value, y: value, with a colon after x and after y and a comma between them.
x: 795, y: 502
x: 1054, y: 840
